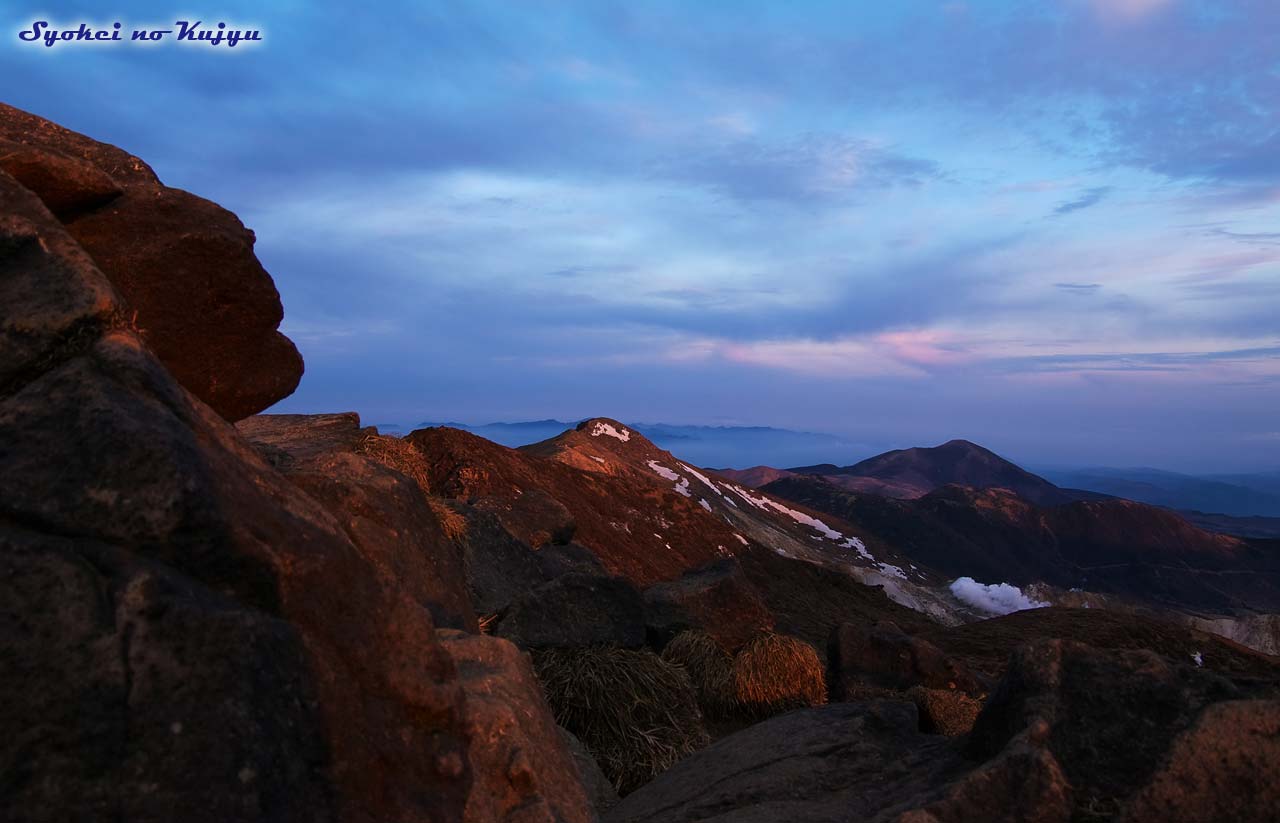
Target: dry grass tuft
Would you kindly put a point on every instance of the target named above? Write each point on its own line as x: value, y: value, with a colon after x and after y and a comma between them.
x: 945, y: 712
x: 775, y: 673
x: 454, y: 523
x: 635, y: 713
x: 399, y: 454
x: 487, y: 623
x: 709, y: 667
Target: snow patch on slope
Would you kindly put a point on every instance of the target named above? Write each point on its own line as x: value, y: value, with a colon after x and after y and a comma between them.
x: 766, y: 504
x: 995, y: 598
x: 682, y: 483
x: 892, y: 570
x: 662, y: 471
x: 705, y: 480
x: 608, y: 429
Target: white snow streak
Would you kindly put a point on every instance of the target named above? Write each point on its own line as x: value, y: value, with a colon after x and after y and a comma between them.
x: 705, y: 480
x: 607, y: 429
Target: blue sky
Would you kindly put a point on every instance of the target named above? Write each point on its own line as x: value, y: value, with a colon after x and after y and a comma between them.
x: 1050, y: 227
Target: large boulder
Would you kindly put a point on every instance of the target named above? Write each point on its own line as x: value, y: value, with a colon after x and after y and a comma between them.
x: 882, y: 656
x: 500, y: 568
x: 1139, y: 737
x: 528, y: 771
x: 183, y: 266
x: 1223, y: 767
x: 1071, y: 733
x: 380, y: 509
x: 717, y: 599
x: 187, y: 635
x: 555, y: 560
x: 576, y: 610
x: 600, y: 791
x: 834, y: 763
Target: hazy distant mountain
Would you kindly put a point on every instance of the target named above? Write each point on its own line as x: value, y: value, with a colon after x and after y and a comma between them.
x: 1255, y: 495
x: 911, y: 473
x: 1268, y: 482
x: 703, y: 445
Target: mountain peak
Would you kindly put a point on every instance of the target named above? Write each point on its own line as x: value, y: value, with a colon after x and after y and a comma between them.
x: 914, y: 472
x: 966, y: 445
x: 606, y: 427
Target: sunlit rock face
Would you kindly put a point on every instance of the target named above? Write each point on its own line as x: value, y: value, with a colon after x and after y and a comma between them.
x: 184, y: 267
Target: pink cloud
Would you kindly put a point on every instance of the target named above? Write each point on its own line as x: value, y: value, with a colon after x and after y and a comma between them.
x: 889, y: 354
x: 1127, y: 11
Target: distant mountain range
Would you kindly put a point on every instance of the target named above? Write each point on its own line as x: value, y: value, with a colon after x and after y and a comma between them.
x: 1241, y: 495
x: 905, y: 473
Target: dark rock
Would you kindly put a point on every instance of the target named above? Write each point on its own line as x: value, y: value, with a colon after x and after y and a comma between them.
x: 184, y: 266
x: 186, y: 634
x: 1072, y: 733
x: 572, y: 557
x: 1024, y: 783
x: 600, y: 791
x: 500, y: 568
x: 382, y: 511
x: 882, y: 655
x: 1222, y: 768
x: 576, y: 610
x: 835, y: 763
x: 132, y: 693
x: 1111, y: 719
x: 717, y: 599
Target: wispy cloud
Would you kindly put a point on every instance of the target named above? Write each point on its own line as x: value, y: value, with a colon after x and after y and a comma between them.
x: 1091, y: 197
x: 1078, y: 288
x: 675, y: 206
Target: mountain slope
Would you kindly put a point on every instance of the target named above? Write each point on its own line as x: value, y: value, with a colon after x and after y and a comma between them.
x: 1114, y: 547
x: 652, y: 517
x: 910, y: 473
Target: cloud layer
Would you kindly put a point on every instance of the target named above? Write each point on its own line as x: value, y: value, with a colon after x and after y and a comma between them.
x: 1048, y: 227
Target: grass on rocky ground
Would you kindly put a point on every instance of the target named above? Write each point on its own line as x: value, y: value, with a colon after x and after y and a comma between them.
x: 636, y: 713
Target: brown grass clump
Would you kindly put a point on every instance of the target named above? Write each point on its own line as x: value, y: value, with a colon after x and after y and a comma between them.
x: 775, y: 673
x: 453, y: 523
x: 635, y: 713
x: 709, y: 667
x: 398, y: 454
x: 945, y: 712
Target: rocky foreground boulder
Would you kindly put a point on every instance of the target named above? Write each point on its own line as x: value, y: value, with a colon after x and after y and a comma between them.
x: 1071, y: 733
x: 882, y: 655
x: 183, y: 268
x: 717, y: 599
x: 381, y: 510
x: 190, y: 635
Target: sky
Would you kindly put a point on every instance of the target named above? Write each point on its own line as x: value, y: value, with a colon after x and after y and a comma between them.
x: 1049, y: 227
